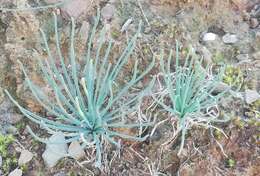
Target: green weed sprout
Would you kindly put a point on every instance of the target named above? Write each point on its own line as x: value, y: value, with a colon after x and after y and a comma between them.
x: 88, y: 104
x: 188, y: 93
x: 9, y: 160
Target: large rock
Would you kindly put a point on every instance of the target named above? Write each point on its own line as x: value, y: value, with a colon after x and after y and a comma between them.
x: 55, y: 149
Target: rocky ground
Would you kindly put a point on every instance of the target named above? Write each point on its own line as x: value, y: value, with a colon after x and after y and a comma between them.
x: 221, y: 31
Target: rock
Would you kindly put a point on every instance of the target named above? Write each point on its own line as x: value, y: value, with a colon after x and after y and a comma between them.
x: 242, y: 57
x: 251, y: 96
x: 221, y: 87
x: 108, y: 12
x: 55, y: 149
x: 254, y: 23
x: 7, y: 114
x: 75, y: 150
x: 16, y: 172
x: 230, y: 38
x: 11, y: 118
x: 25, y: 157
x: 209, y: 37
x: 256, y: 55
x: 75, y: 8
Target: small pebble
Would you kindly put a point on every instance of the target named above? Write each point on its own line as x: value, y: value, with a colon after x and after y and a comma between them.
x: 251, y: 96
x: 25, y: 157
x: 75, y: 150
x: 230, y: 38
x: 209, y: 37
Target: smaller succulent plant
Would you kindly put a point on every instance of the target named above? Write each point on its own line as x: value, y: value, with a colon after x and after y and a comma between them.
x: 88, y: 104
x: 189, y: 94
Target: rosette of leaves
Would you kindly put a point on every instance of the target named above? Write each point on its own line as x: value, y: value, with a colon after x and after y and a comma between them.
x: 189, y: 92
x: 88, y: 103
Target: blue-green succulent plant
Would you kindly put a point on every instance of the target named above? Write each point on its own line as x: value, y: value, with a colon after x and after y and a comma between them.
x: 87, y: 105
x: 191, y: 95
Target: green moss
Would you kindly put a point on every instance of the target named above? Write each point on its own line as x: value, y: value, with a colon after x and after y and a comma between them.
x: 233, y: 76
x: 230, y: 163
x: 9, y: 160
x: 218, y: 135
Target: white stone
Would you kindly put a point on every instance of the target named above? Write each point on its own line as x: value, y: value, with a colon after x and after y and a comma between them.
x: 209, y: 37
x: 108, y: 12
x: 55, y: 149
x: 230, y: 38
x: 25, y: 157
x: 251, y: 96
x: 16, y: 172
x: 75, y: 150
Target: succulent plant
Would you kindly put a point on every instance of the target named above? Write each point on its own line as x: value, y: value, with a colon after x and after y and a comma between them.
x: 88, y: 104
x: 189, y: 94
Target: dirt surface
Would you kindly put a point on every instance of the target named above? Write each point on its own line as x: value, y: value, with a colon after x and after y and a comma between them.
x: 164, y: 22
